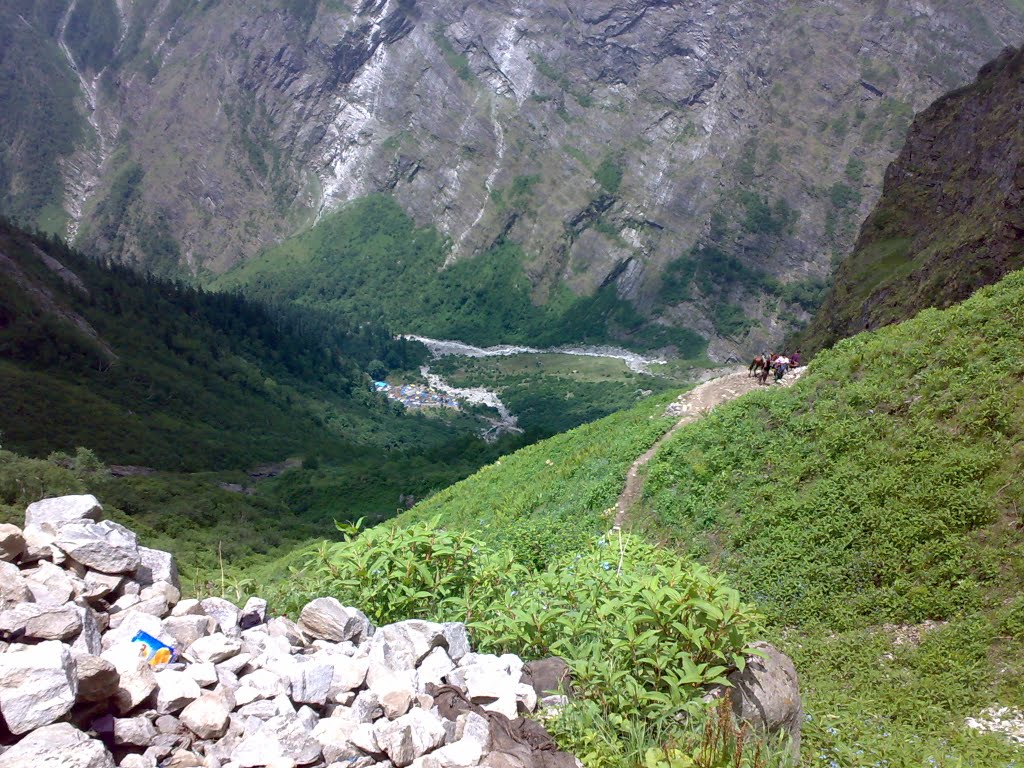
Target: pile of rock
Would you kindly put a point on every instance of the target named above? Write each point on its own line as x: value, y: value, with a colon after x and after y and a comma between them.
x: 328, y: 690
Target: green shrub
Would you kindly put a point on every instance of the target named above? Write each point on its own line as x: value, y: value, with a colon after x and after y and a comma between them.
x: 643, y: 631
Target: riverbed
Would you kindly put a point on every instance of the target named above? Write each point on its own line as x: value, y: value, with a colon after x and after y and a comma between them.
x: 442, y: 347
x: 506, y: 421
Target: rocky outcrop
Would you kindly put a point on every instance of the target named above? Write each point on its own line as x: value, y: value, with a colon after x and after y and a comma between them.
x: 244, y: 692
x: 638, y: 130
x: 950, y: 219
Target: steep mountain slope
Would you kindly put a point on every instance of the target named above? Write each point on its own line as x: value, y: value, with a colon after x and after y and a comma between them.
x: 950, y: 218
x: 703, y: 159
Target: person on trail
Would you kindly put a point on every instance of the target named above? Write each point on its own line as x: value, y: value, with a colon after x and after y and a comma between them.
x: 769, y: 361
x: 795, y: 359
x: 781, y: 366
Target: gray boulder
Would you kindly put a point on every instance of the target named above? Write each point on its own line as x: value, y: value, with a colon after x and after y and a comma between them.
x: 328, y: 619
x: 175, y: 691
x: 410, y: 736
x: 311, y: 682
x: 155, y: 566
x: 283, y: 736
x: 12, y: 542
x: 349, y: 673
x: 333, y: 735
x: 254, y: 613
x: 189, y: 607
x: 41, y: 622
x: 133, y: 623
x: 97, y: 678
x: 51, y: 584
x: 13, y: 587
x: 90, y: 639
x: 136, y: 681
x: 134, y: 731
x: 403, y: 645
x: 766, y: 694
x: 38, y: 685
x: 186, y: 630
x: 208, y: 716
x: 105, y: 546
x: 97, y: 585
x: 225, y: 612
x: 215, y: 648
x: 57, y: 746
x: 62, y: 509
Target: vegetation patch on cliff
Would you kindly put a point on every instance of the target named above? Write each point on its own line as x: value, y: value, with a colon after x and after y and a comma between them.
x: 369, y: 262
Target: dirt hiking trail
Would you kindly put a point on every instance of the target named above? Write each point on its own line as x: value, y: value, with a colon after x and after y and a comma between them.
x: 689, y: 407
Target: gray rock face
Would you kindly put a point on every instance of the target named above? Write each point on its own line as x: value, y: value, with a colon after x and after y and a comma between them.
x: 38, y: 685
x: 105, y: 546
x: 767, y: 694
x: 328, y: 619
x: 57, y: 746
x: 687, y: 97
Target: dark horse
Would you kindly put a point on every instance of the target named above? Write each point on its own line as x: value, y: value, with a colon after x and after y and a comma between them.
x: 759, y: 363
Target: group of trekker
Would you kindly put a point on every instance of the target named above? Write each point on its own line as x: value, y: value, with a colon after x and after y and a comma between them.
x: 765, y: 364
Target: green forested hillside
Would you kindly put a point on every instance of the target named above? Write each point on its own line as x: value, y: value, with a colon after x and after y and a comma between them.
x: 144, y: 371
x: 879, y: 493
x: 370, y: 262
x: 100, y: 366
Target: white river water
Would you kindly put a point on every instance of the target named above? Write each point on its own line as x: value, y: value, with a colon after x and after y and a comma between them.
x: 442, y: 347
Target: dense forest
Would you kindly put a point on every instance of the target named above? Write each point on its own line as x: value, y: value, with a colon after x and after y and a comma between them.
x: 148, y: 371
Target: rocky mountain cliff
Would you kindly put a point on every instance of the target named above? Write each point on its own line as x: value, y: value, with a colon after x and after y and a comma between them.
x: 707, y: 159
x: 950, y: 218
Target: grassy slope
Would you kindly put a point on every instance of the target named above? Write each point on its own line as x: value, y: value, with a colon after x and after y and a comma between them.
x: 882, y: 489
x: 552, y: 497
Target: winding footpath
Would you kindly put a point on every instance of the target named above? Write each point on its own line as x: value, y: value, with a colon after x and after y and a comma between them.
x: 689, y: 407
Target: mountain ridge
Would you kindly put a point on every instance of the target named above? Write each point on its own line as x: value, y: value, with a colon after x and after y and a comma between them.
x: 660, y: 149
